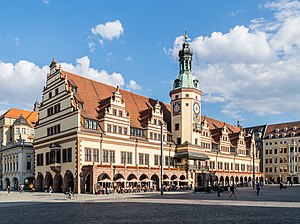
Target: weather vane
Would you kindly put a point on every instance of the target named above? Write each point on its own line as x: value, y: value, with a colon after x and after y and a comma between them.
x: 185, y: 36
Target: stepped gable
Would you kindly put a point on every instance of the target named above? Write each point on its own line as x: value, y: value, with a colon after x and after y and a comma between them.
x: 30, y: 116
x: 271, y: 129
x: 93, y: 92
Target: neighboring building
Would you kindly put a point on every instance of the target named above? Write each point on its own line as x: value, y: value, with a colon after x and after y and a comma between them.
x: 259, y: 133
x: 16, y: 151
x: 90, y: 132
x: 281, y: 152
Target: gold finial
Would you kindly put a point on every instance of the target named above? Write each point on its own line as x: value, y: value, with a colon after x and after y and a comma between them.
x: 185, y: 36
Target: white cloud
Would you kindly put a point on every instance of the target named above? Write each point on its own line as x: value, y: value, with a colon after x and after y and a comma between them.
x: 82, y: 67
x: 251, y: 69
x: 92, y: 46
x: 22, y: 83
x: 109, y: 30
x: 46, y: 2
x: 133, y: 85
x: 17, y: 40
x: 128, y: 59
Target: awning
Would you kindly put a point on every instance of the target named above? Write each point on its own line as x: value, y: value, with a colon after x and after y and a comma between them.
x: 191, y: 155
x: 106, y: 180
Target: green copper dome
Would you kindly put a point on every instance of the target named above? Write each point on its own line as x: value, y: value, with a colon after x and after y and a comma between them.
x: 185, y: 78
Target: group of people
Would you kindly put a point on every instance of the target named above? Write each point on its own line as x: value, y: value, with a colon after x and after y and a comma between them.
x: 233, y: 189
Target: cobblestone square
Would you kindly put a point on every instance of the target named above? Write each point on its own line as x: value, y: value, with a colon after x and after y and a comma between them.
x: 271, y: 206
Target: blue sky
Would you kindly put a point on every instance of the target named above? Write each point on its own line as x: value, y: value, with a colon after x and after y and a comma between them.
x: 246, y: 53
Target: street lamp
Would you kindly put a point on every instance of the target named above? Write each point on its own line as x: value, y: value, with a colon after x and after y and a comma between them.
x: 161, y: 158
x: 253, y: 168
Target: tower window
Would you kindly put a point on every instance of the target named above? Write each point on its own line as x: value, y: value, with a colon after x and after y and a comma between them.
x: 177, y: 127
x: 187, y: 104
x: 178, y: 141
x: 187, y: 95
x: 176, y: 97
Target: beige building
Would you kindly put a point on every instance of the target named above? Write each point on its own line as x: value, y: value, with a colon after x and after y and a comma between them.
x: 281, y: 152
x: 89, y: 133
x: 16, y: 151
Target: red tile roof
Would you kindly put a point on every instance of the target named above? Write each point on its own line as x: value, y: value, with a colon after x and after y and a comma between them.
x: 93, y: 92
x: 30, y: 116
x: 271, y: 129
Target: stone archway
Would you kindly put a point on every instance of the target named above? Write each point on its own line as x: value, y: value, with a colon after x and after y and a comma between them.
x: 131, y: 176
x: 58, y: 183
x: 48, y: 181
x: 118, y: 176
x: 226, y: 181
x: 143, y: 177
x: 15, y: 184
x: 236, y: 180
x: 222, y: 181
x: 39, y: 182
x: 155, y: 179
x: 241, y: 181
x: 103, y: 176
x: 68, y: 181
x: 87, y: 186
x: 7, y: 183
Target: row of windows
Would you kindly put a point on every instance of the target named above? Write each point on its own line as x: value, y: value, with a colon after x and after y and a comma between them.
x: 283, y: 135
x: 50, y: 93
x: 156, y: 136
x: 281, y: 169
x: 25, y: 131
x: 137, y: 132
x: 115, y: 113
x: 281, y: 142
x: 282, y: 160
x: 53, y: 110
x: 126, y: 157
x: 55, y: 156
x: 90, y: 124
x: 53, y: 130
x: 11, y: 166
x: 230, y: 166
x: 116, y: 129
x: 282, y: 150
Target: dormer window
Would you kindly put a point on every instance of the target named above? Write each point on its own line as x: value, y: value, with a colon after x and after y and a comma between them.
x: 285, y: 129
x: 276, y: 135
x: 80, y: 105
x: 277, y: 129
x: 294, y: 128
x: 270, y: 136
x: 90, y: 124
x: 292, y: 134
x: 114, y: 112
x: 74, y: 89
x: 283, y: 135
x: 120, y: 113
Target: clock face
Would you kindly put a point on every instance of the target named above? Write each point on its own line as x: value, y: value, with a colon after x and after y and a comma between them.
x: 196, y: 108
x: 176, y: 108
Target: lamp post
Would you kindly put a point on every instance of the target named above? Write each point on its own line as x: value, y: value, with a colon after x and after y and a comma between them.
x: 253, y: 168
x: 161, y: 159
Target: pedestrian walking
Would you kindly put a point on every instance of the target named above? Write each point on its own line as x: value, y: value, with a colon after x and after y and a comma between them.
x: 50, y: 190
x: 257, y: 188
x: 218, y: 189
x: 232, y: 190
x: 8, y: 190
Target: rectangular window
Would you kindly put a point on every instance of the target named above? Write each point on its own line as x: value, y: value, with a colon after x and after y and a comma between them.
x: 39, y: 158
x: 125, y: 131
x: 108, y: 128
x: 129, y: 157
x: 105, y: 156
x: 114, y: 112
x: 96, y: 155
x: 28, y: 167
x: 171, y: 161
x: 123, y: 157
x: 95, y: 124
x: 64, y: 155
x: 141, y: 158
x: 177, y: 127
x: 87, y: 154
x: 146, y: 159
x: 166, y: 160
x: 114, y: 129
x: 156, y: 160
x: 120, y: 130
x: 112, y: 156
x: 178, y: 141
x: 47, y: 158
x: 120, y: 113
x: 196, y: 141
x: 69, y: 155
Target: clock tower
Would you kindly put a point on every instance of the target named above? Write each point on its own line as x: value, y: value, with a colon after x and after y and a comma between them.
x: 186, y: 101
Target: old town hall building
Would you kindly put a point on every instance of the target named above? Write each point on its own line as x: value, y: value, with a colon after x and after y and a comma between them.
x: 89, y: 133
